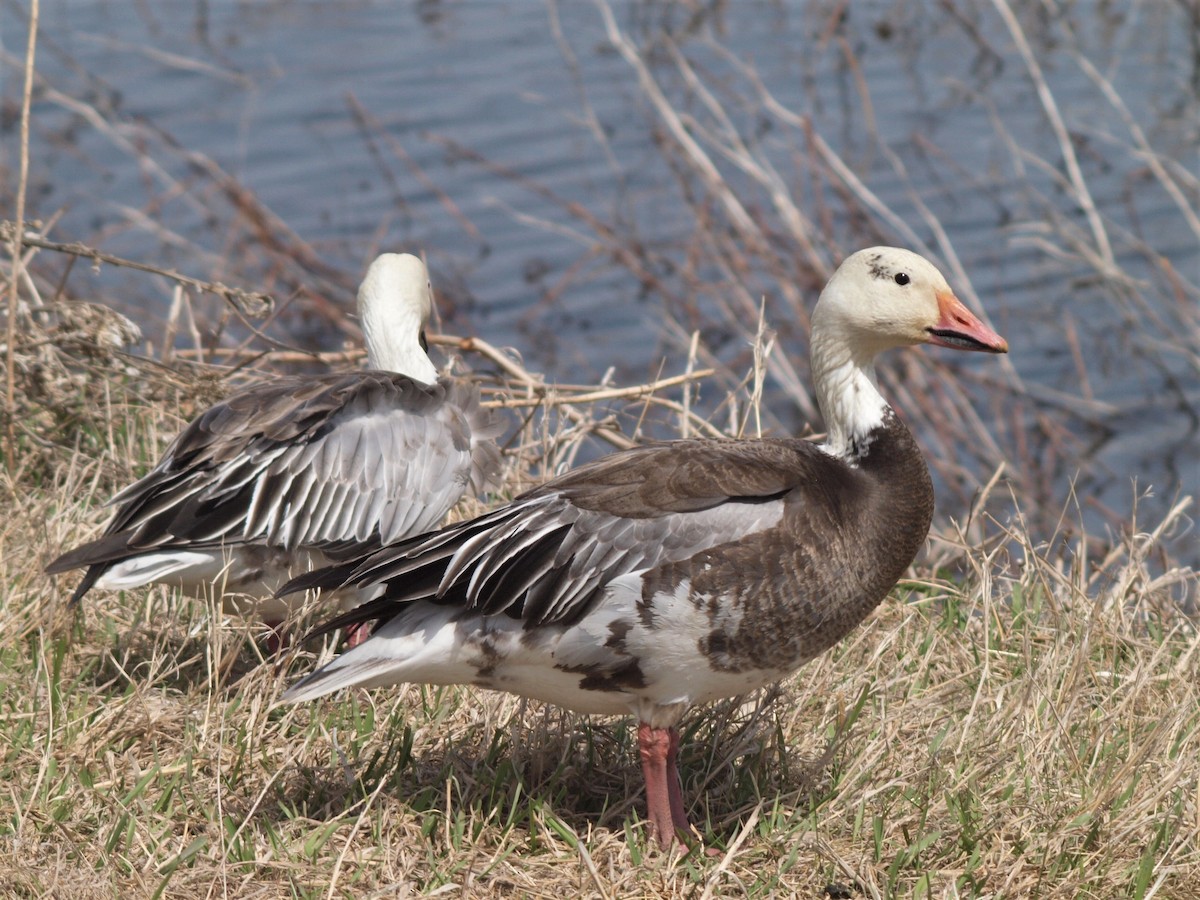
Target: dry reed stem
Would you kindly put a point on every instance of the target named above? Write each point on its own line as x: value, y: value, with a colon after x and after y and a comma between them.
x: 696, y: 156
x: 15, y: 245
x: 1066, y: 147
x: 249, y: 303
x: 371, y: 125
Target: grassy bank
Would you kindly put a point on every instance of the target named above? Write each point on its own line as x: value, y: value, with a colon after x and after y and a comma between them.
x: 1018, y: 720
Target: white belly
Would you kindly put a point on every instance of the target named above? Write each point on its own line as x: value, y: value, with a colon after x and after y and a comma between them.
x: 610, y: 662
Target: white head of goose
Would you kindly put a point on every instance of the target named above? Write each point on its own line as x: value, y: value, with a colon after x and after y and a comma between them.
x: 280, y: 476
x: 675, y: 574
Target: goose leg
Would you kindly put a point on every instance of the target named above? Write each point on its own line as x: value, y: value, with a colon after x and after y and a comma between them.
x: 659, y: 749
x: 654, y: 748
x: 356, y: 634
x: 277, y: 636
x: 674, y: 790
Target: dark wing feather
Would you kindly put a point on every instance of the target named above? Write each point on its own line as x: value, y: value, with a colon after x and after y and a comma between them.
x: 366, y: 457
x: 547, y: 556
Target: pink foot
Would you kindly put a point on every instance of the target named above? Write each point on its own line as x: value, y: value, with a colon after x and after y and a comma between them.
x: 653, y: 745
x: 277, y: 637
x: 356, y: 634
x: 659, y: 749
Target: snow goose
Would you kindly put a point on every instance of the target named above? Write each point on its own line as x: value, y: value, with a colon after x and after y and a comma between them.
x: 273, y: 480
x: 671, y: 575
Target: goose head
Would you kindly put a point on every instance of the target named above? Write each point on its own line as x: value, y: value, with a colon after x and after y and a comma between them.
x: 885, y: 297
x: 880, y: 298
x: 395, y: 302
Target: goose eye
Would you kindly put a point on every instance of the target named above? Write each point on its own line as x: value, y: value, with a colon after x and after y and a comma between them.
x: 902, y: 278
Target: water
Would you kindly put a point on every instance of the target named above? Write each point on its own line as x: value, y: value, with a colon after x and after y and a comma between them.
x: 928, y: 104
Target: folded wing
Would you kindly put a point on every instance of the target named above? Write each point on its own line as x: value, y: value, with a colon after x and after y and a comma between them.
x: 364, y: 457
x: 546, y: 557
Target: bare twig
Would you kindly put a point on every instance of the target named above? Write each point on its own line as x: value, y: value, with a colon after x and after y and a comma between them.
x: 1074, y: 173
x: 369, y: 124
x: 679, y: 131
x: 15, y: 243
x: 633, y: 392
x: 539, y: 391
x: 249, y: 303
x: 1145, y: 152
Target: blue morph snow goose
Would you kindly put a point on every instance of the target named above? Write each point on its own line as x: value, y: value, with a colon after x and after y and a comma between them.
x: 671, y: 575
x: 275, y: 479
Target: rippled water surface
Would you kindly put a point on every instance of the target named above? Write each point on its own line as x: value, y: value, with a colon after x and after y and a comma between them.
x: 354, y: 127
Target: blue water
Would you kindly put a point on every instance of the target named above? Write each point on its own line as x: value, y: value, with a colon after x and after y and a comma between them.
x: 267, y: 91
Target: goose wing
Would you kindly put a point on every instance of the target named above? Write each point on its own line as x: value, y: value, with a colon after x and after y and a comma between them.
x: 365, y: 457
x: 546, y: 557
x: 389, y: 459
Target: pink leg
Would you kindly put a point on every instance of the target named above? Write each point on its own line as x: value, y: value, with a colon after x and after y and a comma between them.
x: 659, y: 748
x: 674, y: 791
x: 277, y: 636
x: 356, y: 634
x: 654, y: 748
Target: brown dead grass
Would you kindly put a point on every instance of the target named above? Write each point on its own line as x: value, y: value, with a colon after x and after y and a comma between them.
x: 1019, y: 720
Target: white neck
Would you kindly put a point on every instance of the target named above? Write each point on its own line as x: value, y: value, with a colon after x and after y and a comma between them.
x: 847, y: 394
x: 392, y: 330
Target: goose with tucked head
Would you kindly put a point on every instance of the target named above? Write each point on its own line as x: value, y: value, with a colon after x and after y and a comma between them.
x: 671, y: 575
x: 280, y: 477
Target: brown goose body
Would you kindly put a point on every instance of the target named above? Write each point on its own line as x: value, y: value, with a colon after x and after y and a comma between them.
x: 671, y: 575
x: 277, y: 478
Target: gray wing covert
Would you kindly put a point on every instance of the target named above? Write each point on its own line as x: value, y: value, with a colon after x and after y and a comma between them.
x: 304, y: 460
x: 546, y: 557
x: 391, y: 462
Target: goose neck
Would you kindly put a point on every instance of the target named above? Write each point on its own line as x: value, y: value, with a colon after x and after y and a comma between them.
x: 393, y: 344
x: 848, y: 395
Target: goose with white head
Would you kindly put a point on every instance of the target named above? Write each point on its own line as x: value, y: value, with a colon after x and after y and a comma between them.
x: 671, y: 575
x: 283, y: 476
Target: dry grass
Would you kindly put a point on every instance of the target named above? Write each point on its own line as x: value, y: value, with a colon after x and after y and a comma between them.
x: 1018, y: 720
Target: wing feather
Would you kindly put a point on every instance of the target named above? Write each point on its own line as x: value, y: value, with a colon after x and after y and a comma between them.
x: 548, y: 556
x: 367, y: 457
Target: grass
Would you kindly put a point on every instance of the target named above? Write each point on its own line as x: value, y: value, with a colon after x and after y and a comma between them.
x: 1018, y: 720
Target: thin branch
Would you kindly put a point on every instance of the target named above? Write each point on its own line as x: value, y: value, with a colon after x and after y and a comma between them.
x: 248, y: 303
x: 1074, y: 173
x: 634, y: 391
x: 369, y: 123
x: 700, y: 160
x: 539, y: 390
x: 15, y: 243
x: 1144, y: 150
